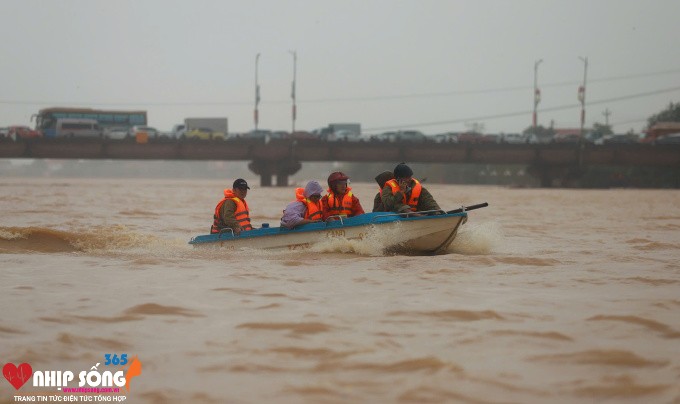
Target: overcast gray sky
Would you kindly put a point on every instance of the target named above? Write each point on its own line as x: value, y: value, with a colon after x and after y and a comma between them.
x: 433, y: 65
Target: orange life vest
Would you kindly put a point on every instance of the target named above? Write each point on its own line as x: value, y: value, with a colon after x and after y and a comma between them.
x: 241, y: 214
x: 415, y: 193
x: 344, y: 207
x: 313, y: 211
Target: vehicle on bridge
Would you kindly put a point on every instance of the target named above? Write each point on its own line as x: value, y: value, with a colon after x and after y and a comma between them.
x: 513, y: 138
x: 204, y: 134
x: 660, y: 129
x: 402, y: 136
x: 206, y: 128
x: 46, y: 119
x: 83, y: 128
x: 673, y: 138
x: 18, y: 132
x: 117, y: 133
x: 619, y: 138
x: 148, y: 131
x: 447, y: 137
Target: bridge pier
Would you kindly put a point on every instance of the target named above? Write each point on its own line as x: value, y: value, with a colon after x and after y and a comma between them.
x: 557, y: 175
x: 282, y: 169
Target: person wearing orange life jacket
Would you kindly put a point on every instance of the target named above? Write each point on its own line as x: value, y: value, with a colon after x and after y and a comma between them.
x: 405, y: 194
x: 381, y: 179
x: 306, y: 208
x: 340, y: 200
x: 232, y: 211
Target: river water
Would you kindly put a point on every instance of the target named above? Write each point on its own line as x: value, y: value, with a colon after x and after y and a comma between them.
x: 547, y: 295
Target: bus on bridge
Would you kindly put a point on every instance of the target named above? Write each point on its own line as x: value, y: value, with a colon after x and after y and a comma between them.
x: 46, y: 119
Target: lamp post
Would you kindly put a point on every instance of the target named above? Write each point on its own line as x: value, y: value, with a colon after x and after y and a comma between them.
x: 537, y: 92
x: 292, y: 92
x: 582, y: 93
x: 257, y: 92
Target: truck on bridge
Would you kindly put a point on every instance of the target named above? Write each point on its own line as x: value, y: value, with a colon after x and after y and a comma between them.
x: 340, y: 131
x: 214, y: 124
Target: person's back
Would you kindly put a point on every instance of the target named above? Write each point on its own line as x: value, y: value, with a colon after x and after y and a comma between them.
x: 306, y: 208
x: 381, y: 179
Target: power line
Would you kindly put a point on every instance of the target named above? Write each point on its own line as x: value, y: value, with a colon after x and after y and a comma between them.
x: 347, y: 99
x: 525, y: 112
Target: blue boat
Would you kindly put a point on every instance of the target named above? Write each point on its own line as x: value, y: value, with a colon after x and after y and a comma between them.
x: 428, y: 232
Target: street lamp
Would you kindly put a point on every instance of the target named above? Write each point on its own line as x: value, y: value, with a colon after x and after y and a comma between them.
x: 292, y: 92
x: 257, y: 92
x: 537, y: 92
x: 582, y: 93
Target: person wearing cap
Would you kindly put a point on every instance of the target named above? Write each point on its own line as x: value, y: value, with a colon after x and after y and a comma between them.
x: 340, y: 200
x: 306, y: 208
x: 381, y: 179
x: 405, y: 194
x: 232, y: 211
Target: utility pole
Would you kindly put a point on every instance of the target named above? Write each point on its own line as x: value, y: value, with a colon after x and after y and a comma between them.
x: 257, y: 92
x: 606, y: 114
x: 537, y: 92
x: 292, y: 93
x: 582, y: 93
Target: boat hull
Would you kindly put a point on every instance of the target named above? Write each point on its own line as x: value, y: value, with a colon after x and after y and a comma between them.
x: 422, y: 234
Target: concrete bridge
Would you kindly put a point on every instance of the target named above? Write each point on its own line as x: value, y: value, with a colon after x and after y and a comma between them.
x: 561, y: 162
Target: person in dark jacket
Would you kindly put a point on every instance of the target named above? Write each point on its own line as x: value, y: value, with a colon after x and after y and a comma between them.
x: 381, y: 179
x: 405, y: 194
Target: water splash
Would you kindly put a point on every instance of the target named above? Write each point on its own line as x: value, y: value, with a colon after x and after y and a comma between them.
x: 373, y: 245
x: 478, y: 239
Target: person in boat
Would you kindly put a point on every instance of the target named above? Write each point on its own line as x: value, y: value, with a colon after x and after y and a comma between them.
x: 404, y: 194
x: 381, y: 179
x: 340, y: 200
x: 306, y: 208
x: 232, y: 211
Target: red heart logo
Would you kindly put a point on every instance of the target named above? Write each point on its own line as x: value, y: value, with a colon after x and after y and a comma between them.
x: 17, y: 376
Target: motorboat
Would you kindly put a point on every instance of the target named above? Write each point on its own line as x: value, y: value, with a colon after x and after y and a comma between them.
x: 428, y: 232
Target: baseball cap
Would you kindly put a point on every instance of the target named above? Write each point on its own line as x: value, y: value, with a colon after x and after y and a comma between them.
x: 241, y: 184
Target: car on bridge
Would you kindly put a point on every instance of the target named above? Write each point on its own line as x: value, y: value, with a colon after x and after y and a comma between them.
x: 448, y: 137
x: 19, y: 132
x: 673, y: 138
x: 148, y: 130
x: 542, y: 138
x: 117, y: 133
x: 490, y: 138
x: 567, y: 138
x: 620, y: 138
x: 403, y: 136
x: 513, y: 138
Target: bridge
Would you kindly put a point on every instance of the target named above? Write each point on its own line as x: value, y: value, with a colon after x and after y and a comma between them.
x: 561, y: 162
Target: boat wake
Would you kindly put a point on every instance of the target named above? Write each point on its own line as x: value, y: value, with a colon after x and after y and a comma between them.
x: 97, y: 240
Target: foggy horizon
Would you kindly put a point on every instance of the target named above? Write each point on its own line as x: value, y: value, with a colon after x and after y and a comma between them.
x: 437, y: 66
